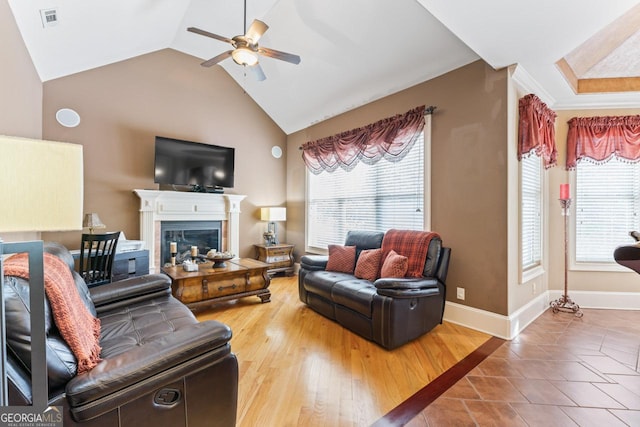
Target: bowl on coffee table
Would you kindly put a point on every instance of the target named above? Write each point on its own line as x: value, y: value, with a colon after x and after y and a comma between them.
x: 219, y: 259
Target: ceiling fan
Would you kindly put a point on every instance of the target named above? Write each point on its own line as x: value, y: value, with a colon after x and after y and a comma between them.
x: 245, y: 48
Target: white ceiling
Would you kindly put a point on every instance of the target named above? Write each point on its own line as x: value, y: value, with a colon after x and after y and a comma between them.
x: 353, y: 52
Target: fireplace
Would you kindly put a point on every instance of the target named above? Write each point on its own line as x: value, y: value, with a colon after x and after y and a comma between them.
x: 158, y: 207
x: 205, y: 235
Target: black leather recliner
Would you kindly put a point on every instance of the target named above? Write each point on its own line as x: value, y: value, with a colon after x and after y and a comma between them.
x: 160, y: 366
x: 388, y: 311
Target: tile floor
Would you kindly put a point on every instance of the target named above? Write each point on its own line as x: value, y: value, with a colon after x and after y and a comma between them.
x: 560, y: 371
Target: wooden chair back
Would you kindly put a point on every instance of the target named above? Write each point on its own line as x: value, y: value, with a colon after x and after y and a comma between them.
x: 96, y: 257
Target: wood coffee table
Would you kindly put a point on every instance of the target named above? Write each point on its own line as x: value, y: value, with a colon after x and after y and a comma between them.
x: 237, y: 279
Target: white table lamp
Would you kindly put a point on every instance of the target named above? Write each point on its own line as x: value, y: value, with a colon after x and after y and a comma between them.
x: 272, y: 215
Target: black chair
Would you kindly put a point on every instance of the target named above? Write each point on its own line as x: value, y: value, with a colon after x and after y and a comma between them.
x: 96, y: 257
x: 629, y: 255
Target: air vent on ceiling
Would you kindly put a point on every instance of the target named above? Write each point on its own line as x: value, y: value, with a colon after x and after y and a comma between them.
x: 49, y: 17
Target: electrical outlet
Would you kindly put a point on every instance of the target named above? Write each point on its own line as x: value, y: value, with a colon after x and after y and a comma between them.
x: 460, y: 293
x: 534, y: 288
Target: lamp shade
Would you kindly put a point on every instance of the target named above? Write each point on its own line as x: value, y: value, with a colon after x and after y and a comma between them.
x: 42, y: 185
x: 92, y: 220
x: 273, y: 214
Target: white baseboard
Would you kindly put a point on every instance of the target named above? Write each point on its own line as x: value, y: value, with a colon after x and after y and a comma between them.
x: 602, y: 300
x: 508, y: 327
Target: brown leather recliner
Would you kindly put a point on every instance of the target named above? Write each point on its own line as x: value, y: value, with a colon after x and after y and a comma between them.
x: 388, y: 311
x: 160, y: 366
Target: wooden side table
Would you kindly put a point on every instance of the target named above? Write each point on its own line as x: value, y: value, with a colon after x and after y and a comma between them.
x: 279, y: 257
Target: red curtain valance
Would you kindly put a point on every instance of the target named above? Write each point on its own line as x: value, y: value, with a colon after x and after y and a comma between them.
x: 600, y: 138
x: 536, y: 131
x: 389, y: 138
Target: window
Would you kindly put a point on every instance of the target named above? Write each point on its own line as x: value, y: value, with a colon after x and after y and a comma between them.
x: 607, y: 207
x: 370, y: 197
x: 531, y: 212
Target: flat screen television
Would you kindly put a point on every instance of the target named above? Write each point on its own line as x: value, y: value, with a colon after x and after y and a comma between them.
x: 201, y: 166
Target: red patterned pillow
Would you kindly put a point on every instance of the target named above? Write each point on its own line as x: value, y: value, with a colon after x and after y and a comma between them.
x: 368, y: 264
x: 341, y: 258
x: 394, y: 265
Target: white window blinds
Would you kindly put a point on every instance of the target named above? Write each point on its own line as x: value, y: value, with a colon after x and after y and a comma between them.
x: 531, y: 212
x: 370, y: 197
x: 607, y: 207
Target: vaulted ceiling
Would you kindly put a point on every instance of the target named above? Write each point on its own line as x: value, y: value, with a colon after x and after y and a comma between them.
x: 353, y: 52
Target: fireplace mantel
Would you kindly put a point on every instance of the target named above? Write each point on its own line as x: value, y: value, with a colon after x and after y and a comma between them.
x: 157, y: 206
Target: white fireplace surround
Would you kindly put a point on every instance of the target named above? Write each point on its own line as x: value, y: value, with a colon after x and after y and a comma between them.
x: 157, y: 206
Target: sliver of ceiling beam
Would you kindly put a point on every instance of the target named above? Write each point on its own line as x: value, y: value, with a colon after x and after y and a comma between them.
x: 609, y: 61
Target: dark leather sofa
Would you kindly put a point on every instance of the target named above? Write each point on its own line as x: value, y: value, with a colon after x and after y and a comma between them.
x: 388, y: 311
x: 160, y: 366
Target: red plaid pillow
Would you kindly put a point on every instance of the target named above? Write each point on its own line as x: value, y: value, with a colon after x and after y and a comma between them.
x: 368, y: 264
x: 341, y: 258
x: 394, y: 265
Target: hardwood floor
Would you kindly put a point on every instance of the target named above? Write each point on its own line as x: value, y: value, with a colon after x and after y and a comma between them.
x: 299, y: 368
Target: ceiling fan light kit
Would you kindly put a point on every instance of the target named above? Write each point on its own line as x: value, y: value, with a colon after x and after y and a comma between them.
x: 245, y: 48
x: 244, y: 56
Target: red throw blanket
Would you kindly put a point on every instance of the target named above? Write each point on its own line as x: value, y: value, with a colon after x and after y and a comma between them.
x: 77, y: 325
x: 413, y: 244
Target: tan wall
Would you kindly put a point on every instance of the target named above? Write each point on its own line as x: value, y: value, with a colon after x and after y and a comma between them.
x: 598, y: 281
x: 123, y: 107
x: 20, y: 86
x: 469, y: 174
x: 20, y: 94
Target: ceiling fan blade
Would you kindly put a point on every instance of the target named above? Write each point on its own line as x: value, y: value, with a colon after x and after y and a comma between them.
x: 216, y: 59
x: 208, y: 34
x: 256, y: 30
x: 257, y: 72
x: 276, y: 54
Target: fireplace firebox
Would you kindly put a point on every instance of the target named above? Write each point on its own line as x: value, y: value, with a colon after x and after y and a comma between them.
x: 203, y: 234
